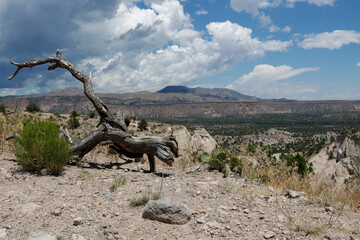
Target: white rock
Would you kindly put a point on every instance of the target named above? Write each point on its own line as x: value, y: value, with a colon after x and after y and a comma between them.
x: 292, y: 194
x: 3, y: 233
x: 78, y: 221
x: 40, y: 235
x: 269, y: 235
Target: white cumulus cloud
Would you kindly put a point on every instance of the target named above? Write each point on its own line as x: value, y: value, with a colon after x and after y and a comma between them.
x: 358, y: 64
x: 265, y: 82
x: 330, y: 40
x: 189, y: 58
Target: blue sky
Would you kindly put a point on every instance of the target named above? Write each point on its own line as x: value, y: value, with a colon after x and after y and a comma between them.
x: 298, y: 49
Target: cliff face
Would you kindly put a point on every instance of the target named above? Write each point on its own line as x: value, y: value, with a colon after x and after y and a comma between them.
x: 194, y: 102
x: 66, y: 104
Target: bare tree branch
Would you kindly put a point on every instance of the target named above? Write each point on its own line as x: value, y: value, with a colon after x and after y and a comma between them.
x: 114, y: 125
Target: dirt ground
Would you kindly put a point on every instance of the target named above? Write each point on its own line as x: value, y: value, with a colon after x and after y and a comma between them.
x: 231, y: 208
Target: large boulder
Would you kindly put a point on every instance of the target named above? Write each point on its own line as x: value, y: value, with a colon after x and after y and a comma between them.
x: 201, y: 141
x: 167, y: 212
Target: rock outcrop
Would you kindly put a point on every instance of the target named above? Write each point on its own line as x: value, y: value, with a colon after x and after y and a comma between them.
x: 201, y: 141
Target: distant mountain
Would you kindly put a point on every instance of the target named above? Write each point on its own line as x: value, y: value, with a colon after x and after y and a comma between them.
x: 178, y: 101
x: 218, y: 93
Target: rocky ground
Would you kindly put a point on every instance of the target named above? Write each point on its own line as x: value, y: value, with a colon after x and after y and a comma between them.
x: 79, y: 205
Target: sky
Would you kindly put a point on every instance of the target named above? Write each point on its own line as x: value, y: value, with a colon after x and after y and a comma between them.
x: 296, y: 49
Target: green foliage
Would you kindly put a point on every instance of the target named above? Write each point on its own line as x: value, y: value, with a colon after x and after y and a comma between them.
x: 3, y: 108
x: 299, y: 162
x: 143, y: 125
x: 73, y: 122
x: 32, y: 108
x: 38, y: 146
x: 222, y: 161
x: 92, y: 115
x: 74, y: 114
x: 132, y: 118
x: 251, y: 148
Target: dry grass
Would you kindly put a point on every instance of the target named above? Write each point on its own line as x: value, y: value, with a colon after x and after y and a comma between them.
x: 317, y: 190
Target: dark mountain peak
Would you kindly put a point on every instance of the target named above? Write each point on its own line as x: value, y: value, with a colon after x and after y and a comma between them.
x: 176, y: 89
x: 218, y: 93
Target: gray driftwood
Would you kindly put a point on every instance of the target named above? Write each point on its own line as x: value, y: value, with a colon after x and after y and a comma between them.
x: 114, y: 126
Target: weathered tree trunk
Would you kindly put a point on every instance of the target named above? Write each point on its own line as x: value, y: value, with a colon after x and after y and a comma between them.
x: 114, y: 125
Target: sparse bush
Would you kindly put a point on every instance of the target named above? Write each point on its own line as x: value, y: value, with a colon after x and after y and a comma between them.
x: 57, y: 114
x: 222, y: 161
x: 3, y: 108
x: 92, y: 115
x: 74, y: 114
x: 251, y: 148
x: 143, y: 125
x: 144, y: 198
x: 38, y: 146
x: 119, y: 181
x: 299, y: 162
x: 32, y: 108
x: 73, y: 122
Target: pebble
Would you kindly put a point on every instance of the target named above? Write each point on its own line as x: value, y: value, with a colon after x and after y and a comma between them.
x: 78, y: 221
x: 292, y: 194
x: 3, y: 233
x: 200, y: 221
x: 56, y: 212
x: 269, y: 235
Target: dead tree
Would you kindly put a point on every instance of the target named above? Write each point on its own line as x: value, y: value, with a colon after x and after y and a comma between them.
x: 113, y: 126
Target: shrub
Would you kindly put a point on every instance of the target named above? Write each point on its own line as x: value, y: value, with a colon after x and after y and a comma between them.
x: 92, y: 115
x: 74, y: 114
x: 73, y: 122
x: 222, y: 162
x: 32, y: 108
x: 3, y: 108
x: 38, y: 146
x: 299, y: 162
x: 143, y: 125
x: 143, y: 199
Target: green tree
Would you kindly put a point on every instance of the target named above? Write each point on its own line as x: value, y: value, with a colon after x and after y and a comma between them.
x: 74, y: 114
x: 32, y: 108
x: 143, y: 125
x: 92, y: 115
x: 3, y: 108
x: 73, y: 122
x: 38, y: 146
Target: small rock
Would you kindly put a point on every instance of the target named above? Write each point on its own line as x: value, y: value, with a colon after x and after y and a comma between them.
x: 269, y: 235
x: 213, y: 224
x: 225, y: 234
x: 281, y: 218
x: 330, y: 209
x: 222, y: 212
x: 78, y: 221
x: 271, y: 199
x: 56, y: 212
x: 40, y: 235
x: 246, y: 211
x: 200, y: 221
x: 77, y: 237
x: 292, y: 194
x: 167, y: 212
x: 3, y: 233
